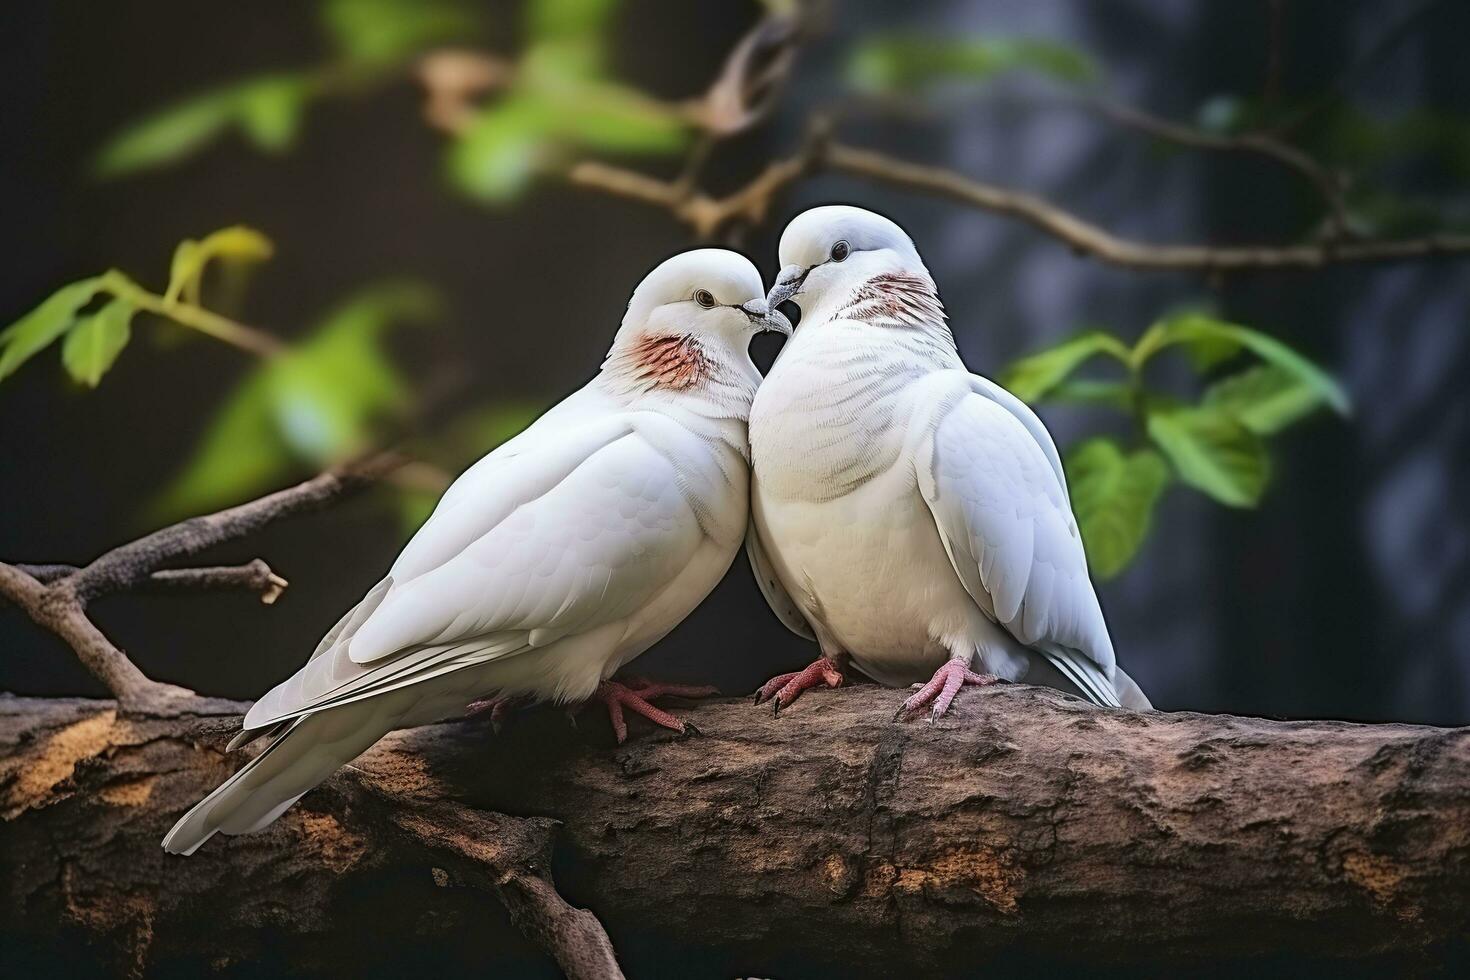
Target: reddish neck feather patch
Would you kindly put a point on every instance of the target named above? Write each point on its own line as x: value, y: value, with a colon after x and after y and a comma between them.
x: 896, y: 297
x: 672, y: 362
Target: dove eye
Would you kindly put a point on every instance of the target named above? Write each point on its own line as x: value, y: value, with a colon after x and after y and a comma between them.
x: 704, y: 298
x: 841, y: 251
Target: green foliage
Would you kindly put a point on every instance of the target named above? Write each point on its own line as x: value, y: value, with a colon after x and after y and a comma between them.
x: 267, y: 110
x: 911, y: 62
x: 370, y: 37
x: 95, y: 342
x: 1213, y: 453
x: 382, y: 33
x: 1035, y: 377
x: 321, y: 402
x: 55, y: 316
x: 1113, y: 497
x: 1214, y: 445
x: 560, y: 103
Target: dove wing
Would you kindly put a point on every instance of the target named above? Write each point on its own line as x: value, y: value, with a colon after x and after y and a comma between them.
x: 550, y: 541
x: 770, y: 585
x: 994, y: 484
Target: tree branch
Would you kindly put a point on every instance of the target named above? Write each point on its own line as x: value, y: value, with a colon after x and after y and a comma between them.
x: 1026, y: 832
x: 707, y: 215
x: 56, y: 596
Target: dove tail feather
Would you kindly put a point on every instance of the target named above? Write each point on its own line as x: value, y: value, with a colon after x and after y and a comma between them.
x: 296, y: 761
x: 1080, y: 670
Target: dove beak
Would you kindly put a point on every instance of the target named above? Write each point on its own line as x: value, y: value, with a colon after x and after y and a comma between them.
x: 788, y: 284
x: 763, y: 316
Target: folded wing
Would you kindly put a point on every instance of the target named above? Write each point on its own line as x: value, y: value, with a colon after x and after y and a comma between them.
x: 993, y: 481
x: 549, y: 541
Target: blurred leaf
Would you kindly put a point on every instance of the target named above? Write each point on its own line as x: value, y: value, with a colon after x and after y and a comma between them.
x: 497, y: 155
x: 1354, y: 138
x: 269, y: 111
x: 890, y: 62
x: 500, y: 152
x: 1265, y: 398
x: 32, y: 332
x: 548, y: 19
x: 1035, y: 376
x: 379, y: 32
x: 1113, y: 498
x: 93, y: 344
x: 315, y: 405
x: 266, y: 109
x: 1209, y: 341
x: 1113, y: 394
x: 237, y: 243
x: 1213, y: 452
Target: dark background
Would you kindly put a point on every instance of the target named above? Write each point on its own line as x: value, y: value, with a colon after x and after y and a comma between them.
x: 1347, y: 594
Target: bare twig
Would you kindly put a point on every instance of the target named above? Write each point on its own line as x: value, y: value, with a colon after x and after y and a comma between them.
x: 56, y: 596
x: 253, y: 576
x: 706, y: 215
x: 1328, y: 184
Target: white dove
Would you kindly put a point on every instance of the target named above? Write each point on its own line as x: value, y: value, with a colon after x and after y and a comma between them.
x: 906, y: 513
x: 551, y: 562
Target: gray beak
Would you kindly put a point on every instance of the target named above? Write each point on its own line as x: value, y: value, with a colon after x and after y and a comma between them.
x: 788, y: 284
x: 763, y: 316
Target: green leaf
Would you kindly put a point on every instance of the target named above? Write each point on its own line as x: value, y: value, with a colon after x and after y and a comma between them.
x: 32, y: 332
x: 890, y: 63
x: 1265, y: 398
x: 269, y: 111
x: 1210, y: 341
x: 266, y: 109
x: 1113, y: 498
x: 93, y: 345
x: 375, y: 33
x: 548, y: 19
x: 311, y: 407
x: 167, y: 135
x: 237, y: 243
x: 1033, y: 377
x: 495, y: 158
x: 1213, y: 452
x: 613, y: 118
x: 1111, y: 394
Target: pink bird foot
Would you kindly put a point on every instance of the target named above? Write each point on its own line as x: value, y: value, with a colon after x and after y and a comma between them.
x: 786, y: 688
x: 942, y: 688
x: 636, y: 694
x: 498, y: 708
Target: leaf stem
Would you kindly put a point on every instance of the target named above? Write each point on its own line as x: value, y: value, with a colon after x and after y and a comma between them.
x: 248, y: 339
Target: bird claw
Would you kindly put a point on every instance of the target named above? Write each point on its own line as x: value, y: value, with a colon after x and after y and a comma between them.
x: 942, y: 688
x: 783, y: 689
x: 617, y: 696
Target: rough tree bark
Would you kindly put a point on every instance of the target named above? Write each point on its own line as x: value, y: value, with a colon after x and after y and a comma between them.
x: 1027, y: 829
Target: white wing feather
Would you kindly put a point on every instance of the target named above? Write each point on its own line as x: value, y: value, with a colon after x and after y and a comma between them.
x: 550, y: 541
x: 998, y: 495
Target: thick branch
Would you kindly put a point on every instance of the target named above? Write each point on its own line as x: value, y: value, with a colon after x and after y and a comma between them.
x: 1029, y: 831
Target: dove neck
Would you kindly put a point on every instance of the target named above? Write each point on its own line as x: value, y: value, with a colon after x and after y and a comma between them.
x: 705, y: 375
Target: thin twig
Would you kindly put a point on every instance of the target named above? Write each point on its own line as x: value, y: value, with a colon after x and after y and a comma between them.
x: 248, y: 339
x: 1328, y: 184
x: 253, y: 576
x: 706, y: 215
x: 56, y: 596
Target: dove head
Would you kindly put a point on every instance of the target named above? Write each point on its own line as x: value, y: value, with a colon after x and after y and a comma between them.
x: 689, y: 325
x: 837, y: 256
